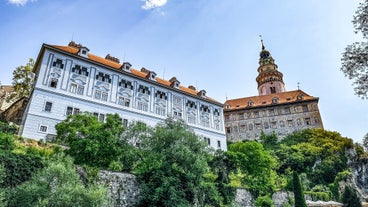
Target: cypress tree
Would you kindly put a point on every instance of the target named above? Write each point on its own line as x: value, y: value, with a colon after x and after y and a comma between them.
x: 350, y: 198
x: 298, y: 192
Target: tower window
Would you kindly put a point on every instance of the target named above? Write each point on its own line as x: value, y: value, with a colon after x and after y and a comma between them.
x: 273, y: 89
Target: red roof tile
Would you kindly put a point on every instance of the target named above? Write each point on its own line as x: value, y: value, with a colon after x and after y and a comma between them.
x: 117, y: 66
x: 266, y: 100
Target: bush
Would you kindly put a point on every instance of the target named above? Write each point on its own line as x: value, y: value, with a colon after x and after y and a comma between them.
x: 18, y: 168
x: 8, y: 128
x: 57, y: 185
x: 264, y: 201
x: 7, y: 141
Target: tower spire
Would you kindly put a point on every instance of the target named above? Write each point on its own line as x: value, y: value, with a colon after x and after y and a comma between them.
x: 263, y: 47
x: 269, y: 79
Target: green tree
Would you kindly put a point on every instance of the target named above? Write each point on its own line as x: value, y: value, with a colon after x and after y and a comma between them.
x: 172, y: 168
x: 269, y: 141
x: 298, y: 191
x: 56, y: 185
x: 257, y: 166
x: 92, y: 142
x: 23, y: 78
x: 355, y: 57
x: 222, y: 165
x: 350, y: 198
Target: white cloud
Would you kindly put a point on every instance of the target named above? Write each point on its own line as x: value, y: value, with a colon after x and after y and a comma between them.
x: 19, y: 2
x: 150, y: 4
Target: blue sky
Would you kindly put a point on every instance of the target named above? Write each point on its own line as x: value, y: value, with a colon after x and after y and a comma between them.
x: 211, y: 44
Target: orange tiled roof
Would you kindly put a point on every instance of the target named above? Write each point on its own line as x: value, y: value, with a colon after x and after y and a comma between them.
x: 266, y: 100
x: 117, y: 66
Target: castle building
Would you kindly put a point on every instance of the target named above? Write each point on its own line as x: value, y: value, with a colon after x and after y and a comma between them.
x: 71, y: 80
x: 274, y: 110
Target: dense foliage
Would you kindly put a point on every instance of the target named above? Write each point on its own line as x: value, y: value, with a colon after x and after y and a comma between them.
x: 57, y: 185
x: 355, y: 57
x: 90, y: 141
x: 23, y: 78
x: 174, y: 166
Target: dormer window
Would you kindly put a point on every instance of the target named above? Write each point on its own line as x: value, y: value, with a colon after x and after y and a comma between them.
x: 250, y: 103
x: 300, y: 97
x: 149, y: 74
x: 202, y: 93
x: 83, y: 51
x: 174, y: 82
x: 275, y: 100
x: 126, y: 66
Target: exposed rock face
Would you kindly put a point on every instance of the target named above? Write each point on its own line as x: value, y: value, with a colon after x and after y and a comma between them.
x: 244, y: 198
x: 282, y: 197
x: 123, y: 188
x: 359, y: 177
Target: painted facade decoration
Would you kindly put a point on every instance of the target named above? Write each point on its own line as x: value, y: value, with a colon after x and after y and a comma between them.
x: 70, y: 80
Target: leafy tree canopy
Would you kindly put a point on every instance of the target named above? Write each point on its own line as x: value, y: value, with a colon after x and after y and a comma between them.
x: 91, y: 142
x: 257, y: 166
x: 173, y: 166
x: 23, y: 78
x: 355, y: 57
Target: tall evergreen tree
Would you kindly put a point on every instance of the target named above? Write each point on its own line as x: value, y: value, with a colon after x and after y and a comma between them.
x: 350, y: 198
x: 298, y: 192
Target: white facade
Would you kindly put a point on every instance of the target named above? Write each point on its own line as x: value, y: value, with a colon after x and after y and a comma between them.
x: 70, y: 80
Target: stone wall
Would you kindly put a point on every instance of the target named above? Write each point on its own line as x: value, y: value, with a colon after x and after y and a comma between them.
x: 123, y: 188
x: 123, y: 191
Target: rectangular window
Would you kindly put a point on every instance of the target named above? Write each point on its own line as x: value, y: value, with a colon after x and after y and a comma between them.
x: 58, y: 63
x: 287, y: 110
x: 305, y: 108
x: 177, y: 101
x: 101, y: 117
x: 48, y: 106
x: 43, y: 128
x: 142, y: 106
x: 80, y: 90
x: 177, y: 115
x: 207, y: 140
x: 160, y: 111
x: 125, y: 122
x: 307, y: 121
x: 76, y: 111
x: 124, y: 101
x: 73, y: 88
x: 218, y: 144
x: 53, y: 83
x: 104, y: 96
x: 191, y: 119
x: 97, y: 94
x: 69, y: 110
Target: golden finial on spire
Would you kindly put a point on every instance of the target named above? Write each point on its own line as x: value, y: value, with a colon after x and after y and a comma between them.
x: 263, y: 47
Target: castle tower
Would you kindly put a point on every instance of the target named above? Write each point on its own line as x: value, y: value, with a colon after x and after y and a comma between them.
x: 269, y: 79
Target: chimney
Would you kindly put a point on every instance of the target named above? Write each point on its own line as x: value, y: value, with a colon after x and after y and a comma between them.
x: 114, y: 59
